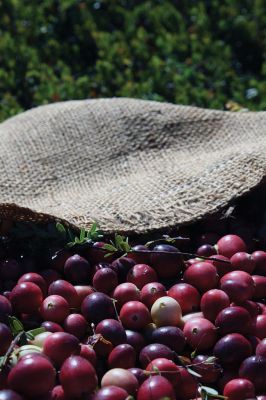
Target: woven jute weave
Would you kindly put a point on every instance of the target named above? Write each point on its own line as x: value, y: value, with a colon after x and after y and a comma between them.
x: 132, y: 165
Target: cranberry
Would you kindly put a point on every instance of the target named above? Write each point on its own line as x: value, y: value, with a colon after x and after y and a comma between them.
x: 65, y: 289
x: 5, y: 308
x: 134, y: 315
x: 243, y: 262
x: 232, y: 349
x: 76, y: 325
x: 260, y: 260
x: 228, y: 245
x: 105, y: 280
x: 234, y: 320
x: 261, y: 348
x: 32, y: 376
x: 5, y: 338
x: 122, y: 356
x: 156, y: 388
x: 58, y: 393
x: 239, y: 389
x: 170, y: 336
x: 168, y: 264
x: 141, y: 274
x: 187, y: 387
x: 252, y: 307
x: 140, y: 254
x: 54, y: 308
x: 123, y: 265
x: 9, y: 395
x: 212, y: 302
x: 202, y: 275
x: 77, y: 270
x: 223, y: 266
x: 26, y: 297
x: 135, y: 339
x: 260, y: 287
x: 151, y: 292
x: 82, y: 292
x: 97, y: 306
x: 112, y: 331
x: 166, y: 311
x: 125, y: 292
x: 139, y: 374
x: 34, y: 278
x: 238, y: 285
x: 165, y: 367
x: 253, y: 368
x: 200, y: 334
x: 77, y: 377
x: 111, y: 393
x: 153, y: 351
x: 87, y: 351
x: 59, y: 346
x: 186, y: 295
x: 52, y: 326
x: 122, y: 378
x: 206, y: 250
x: 59, y: 259
x: 260, y: 326
x: 209, y: 371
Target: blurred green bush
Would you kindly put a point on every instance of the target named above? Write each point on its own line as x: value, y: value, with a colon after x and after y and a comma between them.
x: 201, y: 52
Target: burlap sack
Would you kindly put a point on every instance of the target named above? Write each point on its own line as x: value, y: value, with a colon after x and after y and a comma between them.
x: 131, y: 165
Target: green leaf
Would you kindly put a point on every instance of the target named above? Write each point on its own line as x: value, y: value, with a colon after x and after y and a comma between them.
x: 15, y: 325
x: 210, y: 360
x: 35, y: 332
x: 82, y: 235
x: 109, y: 247
x: 60, y: 228
x: 194, y: 373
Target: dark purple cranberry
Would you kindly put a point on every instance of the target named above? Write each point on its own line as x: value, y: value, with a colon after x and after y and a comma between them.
x: 139, y: 374
x: 5, y: 308
x: 136, y: 340
x: 97, y: 306
x: 5, y: 338
x: 77, y: 270
x: 170, y: 336
x: 167, y: 265
x: 112, y: 330
x: 232, y: 349
x: 53, y: 327
x: 253, y: 368
x: 153, y: 351
x: 122, y: 266
x: 206, y: 250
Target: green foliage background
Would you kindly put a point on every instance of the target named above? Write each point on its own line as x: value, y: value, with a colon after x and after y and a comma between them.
x: 185, y: 51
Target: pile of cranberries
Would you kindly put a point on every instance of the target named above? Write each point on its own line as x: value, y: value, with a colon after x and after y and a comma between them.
x: 148, y: 325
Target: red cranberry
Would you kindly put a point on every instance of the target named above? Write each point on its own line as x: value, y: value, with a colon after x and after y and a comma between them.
x: 88, y: 352
x: 151, y: 292
x: 167, y: 368
x: 156, y: 388
x: 242, y: 261
x: 112, y: 331
x: 111, y: 393
x: 186, y: 295
x: 154, y: 350
x: 135, y: 315
x: 239, y: 389
x: 202, y: 275
x: 77, y: 270
x: 77, y: 377
x: 260, y: 326
x: 260, y: 287
x: 200, y: 334
x: 59, y: 346
x: 253, y: 368
x: 261, y: 348
x: 66, y: 290
x: 212, y: 302
x: 187, y: 387
x: 34, y: 278
x: 238, y: 285
x: 232, y: 349
x: 26, y: 298
x: 122, y: 356
x: 167, y: 264
x: 54, y: 308
x: 141, y: 274
x: 97, y: 306
x: 125, y: 292
x: 32, y: 376
x: 234, y: 320
x: 53, y: 327
x: 58, y: 393
x: 105, y: 280
x: 260, y: 260
x: 76, y: 325
x: 228, y: 245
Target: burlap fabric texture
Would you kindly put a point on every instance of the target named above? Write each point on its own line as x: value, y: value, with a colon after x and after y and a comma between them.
x: 131, y: 165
